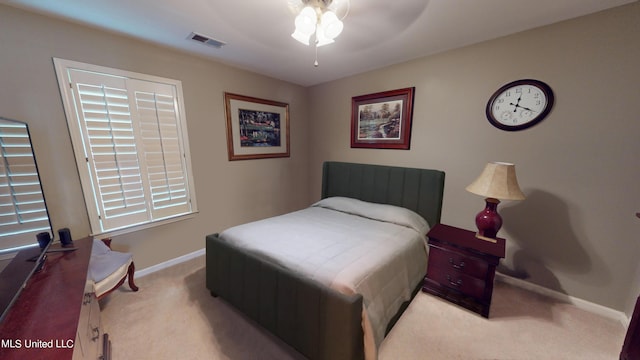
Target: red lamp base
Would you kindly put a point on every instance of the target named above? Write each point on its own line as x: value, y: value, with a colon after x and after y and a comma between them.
x: 488, y: 220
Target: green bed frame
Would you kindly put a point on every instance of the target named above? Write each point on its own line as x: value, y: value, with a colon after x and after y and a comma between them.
x: 317, y: 321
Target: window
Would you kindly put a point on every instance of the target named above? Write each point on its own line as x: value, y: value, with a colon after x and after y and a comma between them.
x: 23, y: 212
x: 130, y: 141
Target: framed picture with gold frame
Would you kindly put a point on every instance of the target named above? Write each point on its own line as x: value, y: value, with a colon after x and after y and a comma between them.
x: 382, y: 120
x: 256, y: 128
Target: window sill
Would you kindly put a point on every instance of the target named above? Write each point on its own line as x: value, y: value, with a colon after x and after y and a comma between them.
x: 135, y: 228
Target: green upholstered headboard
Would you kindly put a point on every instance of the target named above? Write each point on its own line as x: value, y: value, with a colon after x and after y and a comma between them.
x: 420, y: 190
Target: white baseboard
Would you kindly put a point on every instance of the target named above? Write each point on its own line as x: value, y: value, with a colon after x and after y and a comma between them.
x: 579, y: 303
x: 168, y: 263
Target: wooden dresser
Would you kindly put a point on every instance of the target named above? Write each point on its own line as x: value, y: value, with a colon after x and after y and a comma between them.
x: 631, y: 345
x: 461, y: 267
x: 57, y: 315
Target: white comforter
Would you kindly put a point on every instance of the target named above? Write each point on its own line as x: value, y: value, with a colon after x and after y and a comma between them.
x: 352, y: 246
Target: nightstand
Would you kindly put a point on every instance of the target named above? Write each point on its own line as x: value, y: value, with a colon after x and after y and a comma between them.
x: 461, y: 267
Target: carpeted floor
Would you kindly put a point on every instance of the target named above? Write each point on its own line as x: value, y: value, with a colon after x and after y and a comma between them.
x: 173, y: 316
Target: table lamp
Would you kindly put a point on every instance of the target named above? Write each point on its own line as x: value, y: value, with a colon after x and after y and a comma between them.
x: 497, y: 181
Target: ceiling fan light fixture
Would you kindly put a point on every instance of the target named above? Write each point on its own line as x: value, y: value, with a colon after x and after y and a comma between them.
x: 319, y: 17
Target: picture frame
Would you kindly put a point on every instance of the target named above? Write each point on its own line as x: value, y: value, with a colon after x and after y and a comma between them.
x: 382, y: 120
x: 256, y: 128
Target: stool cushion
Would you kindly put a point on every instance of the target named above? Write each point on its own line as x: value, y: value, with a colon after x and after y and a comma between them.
x: 107, y: 267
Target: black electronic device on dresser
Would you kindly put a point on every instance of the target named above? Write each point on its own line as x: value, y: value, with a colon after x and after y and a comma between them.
x: 461, y: 267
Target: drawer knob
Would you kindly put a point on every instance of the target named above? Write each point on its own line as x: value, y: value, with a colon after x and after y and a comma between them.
x: 88, y: 297
x: 454, y: 283
x: 456, y: 266
x: 96, y: 333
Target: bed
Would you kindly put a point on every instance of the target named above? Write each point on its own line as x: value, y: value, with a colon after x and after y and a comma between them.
x: 319, y: 317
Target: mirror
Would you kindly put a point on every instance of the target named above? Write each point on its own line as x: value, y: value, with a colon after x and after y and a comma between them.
x: 23, y: 210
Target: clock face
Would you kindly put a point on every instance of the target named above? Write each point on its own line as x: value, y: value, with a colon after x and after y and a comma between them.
x: 519, y: 105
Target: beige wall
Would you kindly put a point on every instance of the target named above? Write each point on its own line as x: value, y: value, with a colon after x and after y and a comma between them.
x: 576, y: 232
x: 228, y: 193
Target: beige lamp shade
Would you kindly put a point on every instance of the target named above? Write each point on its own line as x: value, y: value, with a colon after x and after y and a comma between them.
x: 498, y: 180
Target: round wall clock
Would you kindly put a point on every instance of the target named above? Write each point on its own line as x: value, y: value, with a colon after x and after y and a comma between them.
x: 519, y: 104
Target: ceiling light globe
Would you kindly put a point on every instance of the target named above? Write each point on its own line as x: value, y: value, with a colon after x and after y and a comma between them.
x: 301, y: 37
x: 306, y: 21
x: 321, y: 38
x: 331, y: 25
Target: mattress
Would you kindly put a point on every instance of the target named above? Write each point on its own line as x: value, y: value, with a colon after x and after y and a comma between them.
x: 375, y: 250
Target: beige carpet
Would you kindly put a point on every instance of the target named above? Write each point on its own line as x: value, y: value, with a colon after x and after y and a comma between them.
x: 173, y: 316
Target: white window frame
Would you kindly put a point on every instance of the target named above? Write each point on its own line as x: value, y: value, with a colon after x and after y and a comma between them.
x: 123, y: 117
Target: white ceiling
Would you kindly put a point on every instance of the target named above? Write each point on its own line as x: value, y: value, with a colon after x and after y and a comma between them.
x: 376, y: 33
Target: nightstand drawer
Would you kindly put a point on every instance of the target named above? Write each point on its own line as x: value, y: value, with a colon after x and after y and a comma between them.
x: 458, y: 281
x: 445, y: 259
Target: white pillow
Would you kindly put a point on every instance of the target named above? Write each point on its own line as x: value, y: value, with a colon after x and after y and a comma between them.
x: 381, y: 212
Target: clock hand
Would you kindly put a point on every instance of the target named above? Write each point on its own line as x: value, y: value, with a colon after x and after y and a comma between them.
x: 517, y: 104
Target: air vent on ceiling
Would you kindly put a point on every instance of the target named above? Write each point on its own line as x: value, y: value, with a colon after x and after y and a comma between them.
x: 207, y: 40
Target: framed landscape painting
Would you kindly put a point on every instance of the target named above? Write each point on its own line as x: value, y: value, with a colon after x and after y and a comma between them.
x: 256, y: 128
x: 382, y: 120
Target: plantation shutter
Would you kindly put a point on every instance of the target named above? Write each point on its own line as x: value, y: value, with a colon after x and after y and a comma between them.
x: 131, y: 139
x: 23, y: 212
x: 163, y: 155
x: 111, y: 153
